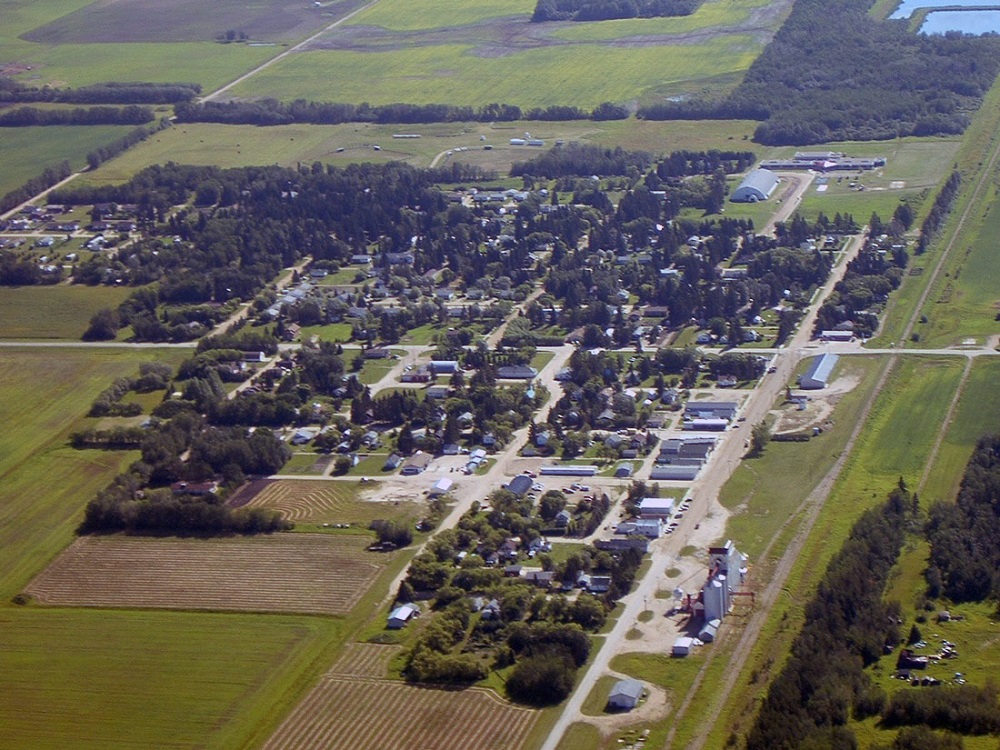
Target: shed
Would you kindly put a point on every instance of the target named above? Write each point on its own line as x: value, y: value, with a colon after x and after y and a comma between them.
x: 625, y: 695
x: 401, y: 615
x: 441, y: 486
x: 818, y: 374
x: 656, y: 507
x: 709, y: 631
x: 756, y: 186
x: 623, y: 470
x: 682, y: 646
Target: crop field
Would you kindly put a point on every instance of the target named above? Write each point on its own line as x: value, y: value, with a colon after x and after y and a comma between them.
x: 46, y: 484
x: 53, y: 312
x: 343, y: 712
x: 363, y: 660
x: 305, y: 501
x: 307, y: 573
x: 460, y: 72
x: 121, y: 680
x: 27, y: 152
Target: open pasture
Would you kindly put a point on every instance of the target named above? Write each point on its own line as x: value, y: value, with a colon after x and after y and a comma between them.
x: 308, y: 573
x: 345, y: 712
x: 53, y: 312
x: 180, y: 21
x: 305, y: 501
x: 471, y: 68
x: 120, y: 680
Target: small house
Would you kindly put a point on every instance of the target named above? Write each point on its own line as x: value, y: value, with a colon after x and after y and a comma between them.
x: 400, y: 616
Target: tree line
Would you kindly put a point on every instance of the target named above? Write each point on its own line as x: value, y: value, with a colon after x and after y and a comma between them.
x: 120, y: 145
x: 23, y: 117
x: 274, y: 112
x: 605, y: 10
x: 832, y: 72
x: 109, y: 92
x: 49, y: 177
x: 939, y: 211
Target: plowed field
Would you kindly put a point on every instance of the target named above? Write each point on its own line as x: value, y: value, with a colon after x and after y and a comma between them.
x: 284, y: 573
x: 344, y: 712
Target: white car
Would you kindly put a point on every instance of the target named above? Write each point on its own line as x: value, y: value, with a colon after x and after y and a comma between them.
x: 537, y: 487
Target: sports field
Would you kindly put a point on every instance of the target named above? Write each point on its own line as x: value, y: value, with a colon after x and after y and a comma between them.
x: 110, y: 680
x: 307, y: 573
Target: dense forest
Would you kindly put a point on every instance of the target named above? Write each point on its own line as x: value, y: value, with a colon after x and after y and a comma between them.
x: 832, y: 72
x: 965, y: 535
x: 605, y: 10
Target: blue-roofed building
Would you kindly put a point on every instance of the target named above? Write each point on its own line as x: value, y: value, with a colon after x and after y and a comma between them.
x: 818, y: 374
x: 520, y: 485
x: 756, y: 186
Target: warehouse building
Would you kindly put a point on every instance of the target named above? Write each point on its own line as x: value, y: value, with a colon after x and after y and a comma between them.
x: 756, y: 186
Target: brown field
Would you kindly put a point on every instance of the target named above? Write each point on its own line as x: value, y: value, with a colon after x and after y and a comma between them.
x: 363, y: 660
x: 308, y: 573
x: 385, y: 715
x: 315, y: 502
x: 185, y: 21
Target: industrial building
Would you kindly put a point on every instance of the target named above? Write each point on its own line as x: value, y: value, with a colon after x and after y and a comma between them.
x: 818, y: 374
x: 674, y: 473
x: 756, y: 186
x: 569, y: 470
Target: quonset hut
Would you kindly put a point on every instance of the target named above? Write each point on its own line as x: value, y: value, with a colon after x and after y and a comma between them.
x: 756, y: 186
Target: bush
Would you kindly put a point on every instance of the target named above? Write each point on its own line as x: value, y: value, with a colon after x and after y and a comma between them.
x: 542, y: 680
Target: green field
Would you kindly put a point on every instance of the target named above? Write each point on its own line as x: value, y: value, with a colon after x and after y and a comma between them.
x: 579, y: 74
x: 433, y: 14
x: 28, y: 151
x: 53, y: 312
x: 117, y: 679
x: 46, y: 483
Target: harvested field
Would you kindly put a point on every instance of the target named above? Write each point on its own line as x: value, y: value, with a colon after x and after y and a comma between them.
x: 363, y: 660
x: 330, y: 502
x: 386, y: 715
x: 284, y: 573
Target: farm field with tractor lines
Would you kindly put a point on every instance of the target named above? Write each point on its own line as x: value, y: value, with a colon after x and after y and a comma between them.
x: 331, y: 502
x: 304, y: 573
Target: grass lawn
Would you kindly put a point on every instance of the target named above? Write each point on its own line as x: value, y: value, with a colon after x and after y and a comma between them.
x: 541, y: 359
x: 28, y: 151
x: 334, y: 332
x: 305, y: 463
x: 81, y: 679
x: 374, y: 370
x: 977, y: 413
x: 576, y: 74
x: 53, y: 312
x: 46, y: 483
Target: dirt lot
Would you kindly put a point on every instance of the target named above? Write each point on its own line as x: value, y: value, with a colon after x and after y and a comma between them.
x: 308, y: 573
x: 817, y: 410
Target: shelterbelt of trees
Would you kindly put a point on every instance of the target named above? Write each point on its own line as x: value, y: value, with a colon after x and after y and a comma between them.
x: 832, y: 72
x: 110, y: 92
x: 605, y: 10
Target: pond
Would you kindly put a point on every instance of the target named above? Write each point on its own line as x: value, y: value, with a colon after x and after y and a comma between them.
x: 966, y: 21
x: 907, y: 7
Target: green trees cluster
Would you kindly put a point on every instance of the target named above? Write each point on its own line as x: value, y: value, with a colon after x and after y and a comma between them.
x: 939, y: 211
x: 605, y: 10
x: 110, y: 92
x: 965, y: 535
x: 21, y: 117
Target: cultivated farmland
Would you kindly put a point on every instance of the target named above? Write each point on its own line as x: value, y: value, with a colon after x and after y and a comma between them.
x: 53, y: 312
x: 283, y: 573
x: 330, y: 502
x: 344, y: 712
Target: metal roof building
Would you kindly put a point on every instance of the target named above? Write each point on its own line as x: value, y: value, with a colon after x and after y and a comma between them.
x: 756, y: 186
x: 625, y: 695
x: 818, y: 374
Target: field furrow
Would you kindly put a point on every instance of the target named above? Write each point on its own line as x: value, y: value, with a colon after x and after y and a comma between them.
x: 283, y: 573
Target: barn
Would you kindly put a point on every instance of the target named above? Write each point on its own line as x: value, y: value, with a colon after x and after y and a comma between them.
x: 818, y: 374
x: 756, y: 186
x: 625, y: 695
